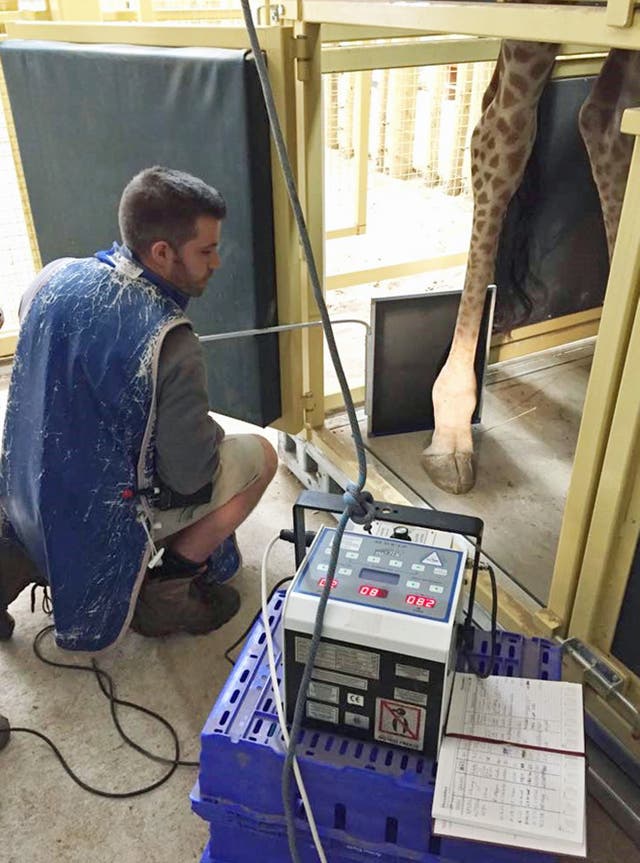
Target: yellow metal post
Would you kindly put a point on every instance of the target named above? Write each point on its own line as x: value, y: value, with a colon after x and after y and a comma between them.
x: 613, y: 343
x: 145, y: 10
x: 345, y: 134
x: 615, y: 522
x: 311, y: 191
x: 361, y: 141
x: 75, y: 10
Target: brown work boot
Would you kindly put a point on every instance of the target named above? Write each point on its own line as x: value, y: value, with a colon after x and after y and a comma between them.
x: 17, y: 571
x: 167, y: 606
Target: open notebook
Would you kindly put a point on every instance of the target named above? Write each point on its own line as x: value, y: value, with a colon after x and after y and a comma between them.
x: 511, y: 767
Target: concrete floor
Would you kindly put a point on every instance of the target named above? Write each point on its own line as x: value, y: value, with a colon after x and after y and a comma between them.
x: 45, y: 818
x: 525, y: 444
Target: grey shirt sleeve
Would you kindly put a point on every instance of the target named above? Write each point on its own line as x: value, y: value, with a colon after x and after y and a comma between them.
x: 187, y: 437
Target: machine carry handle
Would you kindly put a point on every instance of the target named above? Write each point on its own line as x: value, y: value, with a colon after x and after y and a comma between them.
x: 432, y: 519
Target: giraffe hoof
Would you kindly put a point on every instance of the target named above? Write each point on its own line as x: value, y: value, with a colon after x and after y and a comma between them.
x: 452, y: 472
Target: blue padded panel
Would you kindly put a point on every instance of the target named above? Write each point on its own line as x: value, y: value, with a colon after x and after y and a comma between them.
x: 89, y: 117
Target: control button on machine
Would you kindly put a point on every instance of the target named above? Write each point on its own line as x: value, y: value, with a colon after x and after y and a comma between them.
x: 344, y: 570
x: 353, y: 555
x: 436, y: 588
x: 373, y: 558
x: 439, y: 571
x: 417, y: 567
x: 396, y: 563
x: 323, y: 567
x: 413, y: 584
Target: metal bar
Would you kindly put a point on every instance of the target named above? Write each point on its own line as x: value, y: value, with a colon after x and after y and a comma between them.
x: 172, y: 35
x: 362, y: 110
x: 432, y: 519
x: 620, y: 12
x: 410, y: 268
x: 334, y: 401
x: 408, y: 52
x: 351, y: 231
x: 536, y: 22
x: 546, y: 334
x: 282, y: 328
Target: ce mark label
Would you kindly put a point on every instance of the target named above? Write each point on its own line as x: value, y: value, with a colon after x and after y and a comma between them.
x: 355, y: 699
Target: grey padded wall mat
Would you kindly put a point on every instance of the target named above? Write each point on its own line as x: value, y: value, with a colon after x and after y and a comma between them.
x: 89, y: 117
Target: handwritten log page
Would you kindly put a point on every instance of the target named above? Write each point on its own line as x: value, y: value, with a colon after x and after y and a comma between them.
x: 505, y: 791
x: 542, y: 713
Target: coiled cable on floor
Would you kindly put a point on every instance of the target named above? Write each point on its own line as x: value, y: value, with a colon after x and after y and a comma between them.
x: 107, y: 687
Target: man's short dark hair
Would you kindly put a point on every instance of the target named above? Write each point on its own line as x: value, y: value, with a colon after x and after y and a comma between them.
x: 164, y: 204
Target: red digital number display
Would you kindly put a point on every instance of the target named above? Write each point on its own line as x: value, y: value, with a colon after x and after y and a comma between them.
x: 420, y: 601
x: 323, y: 581
x: 370, y: 590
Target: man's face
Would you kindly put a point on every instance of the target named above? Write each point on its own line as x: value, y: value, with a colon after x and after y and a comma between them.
x: 191, y: 266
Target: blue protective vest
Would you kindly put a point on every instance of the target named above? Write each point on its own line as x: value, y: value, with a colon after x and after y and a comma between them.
x: 78, y: 440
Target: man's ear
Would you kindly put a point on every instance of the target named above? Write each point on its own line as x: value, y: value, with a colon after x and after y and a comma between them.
x: 160, y: 255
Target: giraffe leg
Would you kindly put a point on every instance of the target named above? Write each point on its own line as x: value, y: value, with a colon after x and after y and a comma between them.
x: 617, y: 88
x: 500, y: 148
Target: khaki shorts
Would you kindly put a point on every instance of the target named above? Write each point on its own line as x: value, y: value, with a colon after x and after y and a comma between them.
x: 241, y: 463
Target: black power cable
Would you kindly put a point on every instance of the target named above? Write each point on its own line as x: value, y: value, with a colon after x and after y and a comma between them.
x: 107, y: 687
x: 467, y: 633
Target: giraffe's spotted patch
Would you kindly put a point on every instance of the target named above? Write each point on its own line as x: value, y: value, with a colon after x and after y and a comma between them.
x: 519, y: 82
x: 539, y: 69
x: 515, y: 159
x: 523, y: 54
x: 508, y: 98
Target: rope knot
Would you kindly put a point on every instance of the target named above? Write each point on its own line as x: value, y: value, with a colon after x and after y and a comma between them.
x: 359, y: 504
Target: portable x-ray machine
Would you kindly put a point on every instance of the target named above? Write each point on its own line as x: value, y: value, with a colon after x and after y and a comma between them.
x: 384, y: 667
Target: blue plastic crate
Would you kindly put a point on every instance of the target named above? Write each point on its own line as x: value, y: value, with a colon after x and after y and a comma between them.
x: 516, y: 656
x: 238, y: 836
x: 241, y: 764
x: 332, y: 856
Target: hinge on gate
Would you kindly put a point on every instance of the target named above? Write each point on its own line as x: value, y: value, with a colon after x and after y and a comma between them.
x: 308, y: 407
x: 308, y: 401
x: 302, y: 57
x: 603, y: 679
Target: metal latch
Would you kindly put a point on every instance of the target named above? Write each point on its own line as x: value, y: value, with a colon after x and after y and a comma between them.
x: 603, y: 679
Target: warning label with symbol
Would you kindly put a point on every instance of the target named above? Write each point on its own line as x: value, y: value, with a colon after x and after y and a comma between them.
x: 432, y: 558
x: 400, y: 723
